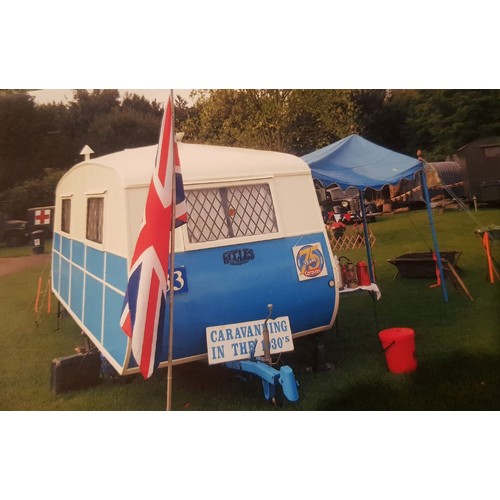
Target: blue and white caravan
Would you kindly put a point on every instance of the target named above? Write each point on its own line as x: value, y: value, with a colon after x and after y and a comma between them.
x: 255, y: 237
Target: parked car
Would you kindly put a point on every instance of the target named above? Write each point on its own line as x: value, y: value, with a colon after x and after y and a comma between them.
x: 14, y: 232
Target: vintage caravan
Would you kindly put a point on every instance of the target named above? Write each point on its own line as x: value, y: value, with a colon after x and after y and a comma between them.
x: 255, y: 237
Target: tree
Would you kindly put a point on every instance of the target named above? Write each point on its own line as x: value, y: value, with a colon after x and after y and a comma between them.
x: 294, y: 121
x: 390, y: 128
x: 86, y: 107
x: 368, y: 104
x: 18, y: 135
x: 444, y: 120
x: 106, y: 125
x: 30, y: 193
x: 121, y: 129
x: 141, y: 105
x: 183, y: 112
x: 298, y: 121
x: 34, y: 137
x: 56, y: 147
x: 322, y: 117
x: 224, y: 117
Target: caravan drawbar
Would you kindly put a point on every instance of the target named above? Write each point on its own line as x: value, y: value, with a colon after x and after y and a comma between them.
x: 254, y: 237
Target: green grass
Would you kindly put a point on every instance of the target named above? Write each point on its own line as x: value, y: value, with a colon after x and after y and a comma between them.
x: 457, y: 343
x: 6, y: 251
x: 22, y: 251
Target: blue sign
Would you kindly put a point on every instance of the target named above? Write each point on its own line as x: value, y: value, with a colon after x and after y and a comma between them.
x: 180, y: 281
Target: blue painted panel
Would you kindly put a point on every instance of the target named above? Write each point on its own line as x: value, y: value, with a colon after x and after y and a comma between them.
x: 78, y: 255
x: 56, y: 242
x: 66, y: 247
x: 64, y: 291
x: 222, y: 293
x: 229, y: 284
x: 92, y: 309
x: 56, y: 263
x: 116, y: 271
x: 77, y: 291
x: 114, y: 339
x: 95, y: 262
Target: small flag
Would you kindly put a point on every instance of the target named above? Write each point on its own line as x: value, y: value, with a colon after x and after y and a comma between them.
x: 145, y: 298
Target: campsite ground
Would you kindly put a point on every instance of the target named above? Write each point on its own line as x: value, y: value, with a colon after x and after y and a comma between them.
x: 10, y: 265
x: 457, y: 343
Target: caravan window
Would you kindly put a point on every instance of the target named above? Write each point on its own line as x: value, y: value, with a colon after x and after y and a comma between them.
x: 65, y: 215
x: 230, y: 212
x: 95, y: 219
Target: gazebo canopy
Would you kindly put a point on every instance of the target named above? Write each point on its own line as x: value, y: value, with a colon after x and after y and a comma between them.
x: 356, y: 162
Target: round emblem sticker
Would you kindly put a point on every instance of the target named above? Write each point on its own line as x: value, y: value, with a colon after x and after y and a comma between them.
x: 310, y: 261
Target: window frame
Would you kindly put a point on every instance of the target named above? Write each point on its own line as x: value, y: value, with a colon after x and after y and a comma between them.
x: 100, y: 224
x: 65, y: 201
x: 235, y: 240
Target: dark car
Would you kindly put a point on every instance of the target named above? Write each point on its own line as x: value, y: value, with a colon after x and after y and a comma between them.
x: 14, y: 232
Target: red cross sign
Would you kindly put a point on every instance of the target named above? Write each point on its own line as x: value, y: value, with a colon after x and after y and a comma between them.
x: 42, y: 217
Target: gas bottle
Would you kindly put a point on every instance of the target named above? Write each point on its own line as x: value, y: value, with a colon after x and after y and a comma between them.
x: 338, y: 273
x: 351, y: 276
x: 362, y: 272
x: 343, y: 269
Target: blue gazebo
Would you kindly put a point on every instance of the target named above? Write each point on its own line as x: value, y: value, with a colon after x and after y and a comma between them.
x: 359, y: 163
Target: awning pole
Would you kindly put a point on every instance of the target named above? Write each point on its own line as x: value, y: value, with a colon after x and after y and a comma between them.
x: 423, y: 183
x: 367, y: 237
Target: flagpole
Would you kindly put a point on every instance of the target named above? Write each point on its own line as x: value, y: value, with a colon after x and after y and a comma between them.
x: 171, y: 273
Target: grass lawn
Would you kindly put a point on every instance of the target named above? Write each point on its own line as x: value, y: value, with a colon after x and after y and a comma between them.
x: 457, y: 343
x: 22, y: 251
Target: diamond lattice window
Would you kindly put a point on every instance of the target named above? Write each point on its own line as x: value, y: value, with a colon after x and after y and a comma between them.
x: 230, y: 212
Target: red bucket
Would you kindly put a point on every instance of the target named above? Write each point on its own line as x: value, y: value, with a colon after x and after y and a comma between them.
x: 399, y: 347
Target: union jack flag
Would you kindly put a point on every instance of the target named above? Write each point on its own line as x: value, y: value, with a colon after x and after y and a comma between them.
x: 144, y: 305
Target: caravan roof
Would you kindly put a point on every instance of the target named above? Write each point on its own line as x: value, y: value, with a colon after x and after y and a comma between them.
x: 201, y: 163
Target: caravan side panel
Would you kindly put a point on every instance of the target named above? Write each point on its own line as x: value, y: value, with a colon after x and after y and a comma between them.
x: 89, y: 277
x: 93, y: 300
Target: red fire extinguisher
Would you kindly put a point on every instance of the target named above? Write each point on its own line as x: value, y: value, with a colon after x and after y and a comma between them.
x: 362, y: 272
